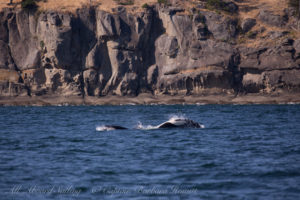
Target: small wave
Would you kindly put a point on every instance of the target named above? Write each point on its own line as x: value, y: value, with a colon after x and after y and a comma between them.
x: 127, y: 104
x: 62, y: 104
x: 293, y: 103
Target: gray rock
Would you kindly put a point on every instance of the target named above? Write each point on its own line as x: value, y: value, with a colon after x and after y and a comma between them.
x: 195, y: 50
x: 276, y: 34
x: 269, y: 18
x: 248, y: 24
x: 158, y: 50
x: 129, y: 85
x: 253, y: 83
x: 169, y: 46
x: 152, y: 75
x: 201, y: 32
x: 297, y: 48
x: 23, y: 45
x: 230, y: 6
x: 106, y: 25
x: 224, y: 30
x: 58, y: 41
x: 6, y: 61
x: 8, y: 89
x: 279, y: 57
x: 250, y: 58
x: 90, y: 78
x: 282, y: 79
x: 4, y: 16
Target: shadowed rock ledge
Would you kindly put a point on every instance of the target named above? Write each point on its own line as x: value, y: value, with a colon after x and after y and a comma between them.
x: 161, y: 52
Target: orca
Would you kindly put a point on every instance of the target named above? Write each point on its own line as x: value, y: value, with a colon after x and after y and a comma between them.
x: 115, y: 127
x: 109, y: 128
x: 179, y: 123
x: 171, y: 123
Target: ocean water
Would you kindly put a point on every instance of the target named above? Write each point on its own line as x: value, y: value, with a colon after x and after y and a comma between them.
x: 244, y: 152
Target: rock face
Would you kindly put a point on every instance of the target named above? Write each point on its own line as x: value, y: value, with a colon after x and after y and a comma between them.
x: 159, y: 50
x: 248, y: 24
x: 269, y: 18
x: 270, y: 68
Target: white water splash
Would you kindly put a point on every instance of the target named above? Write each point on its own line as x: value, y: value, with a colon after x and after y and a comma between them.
x: 145, y: 127
x: 175, y: 117
x: 181, y: 117
x: 104, y: 128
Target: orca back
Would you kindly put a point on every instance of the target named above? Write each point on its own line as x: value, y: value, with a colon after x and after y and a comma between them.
x: 167, y: 125
x: 116, y: 127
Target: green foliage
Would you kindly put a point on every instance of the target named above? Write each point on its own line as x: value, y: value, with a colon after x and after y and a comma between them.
x: 162, y: 1
x: 124, y: 2
x: 251, y: 34
x: 42, y: 44
x: 241, y: 40
x: 29, y: 4
x: 292, y: 34
x: 145, y: 5
x: 217, y: 5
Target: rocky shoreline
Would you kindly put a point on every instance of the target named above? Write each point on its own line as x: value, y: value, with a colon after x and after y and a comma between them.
x: 148, y: 99
x: 175, y: 54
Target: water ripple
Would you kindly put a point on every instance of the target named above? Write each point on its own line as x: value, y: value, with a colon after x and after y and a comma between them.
x: 245, y: 152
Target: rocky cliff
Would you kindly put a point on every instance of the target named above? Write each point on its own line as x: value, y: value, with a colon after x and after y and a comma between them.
x: 162, y: 50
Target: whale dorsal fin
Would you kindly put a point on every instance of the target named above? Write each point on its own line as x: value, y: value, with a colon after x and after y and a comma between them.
x: 167, y: 125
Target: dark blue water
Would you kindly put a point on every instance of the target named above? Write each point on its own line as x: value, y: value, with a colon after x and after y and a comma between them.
x: 244, y: 152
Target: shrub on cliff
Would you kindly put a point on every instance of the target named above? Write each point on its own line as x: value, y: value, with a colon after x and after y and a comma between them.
x: 145, y: 5
x: 162, y: 1
x: 219, y: 5
x: 28, y: 4
x: 124, y: 2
